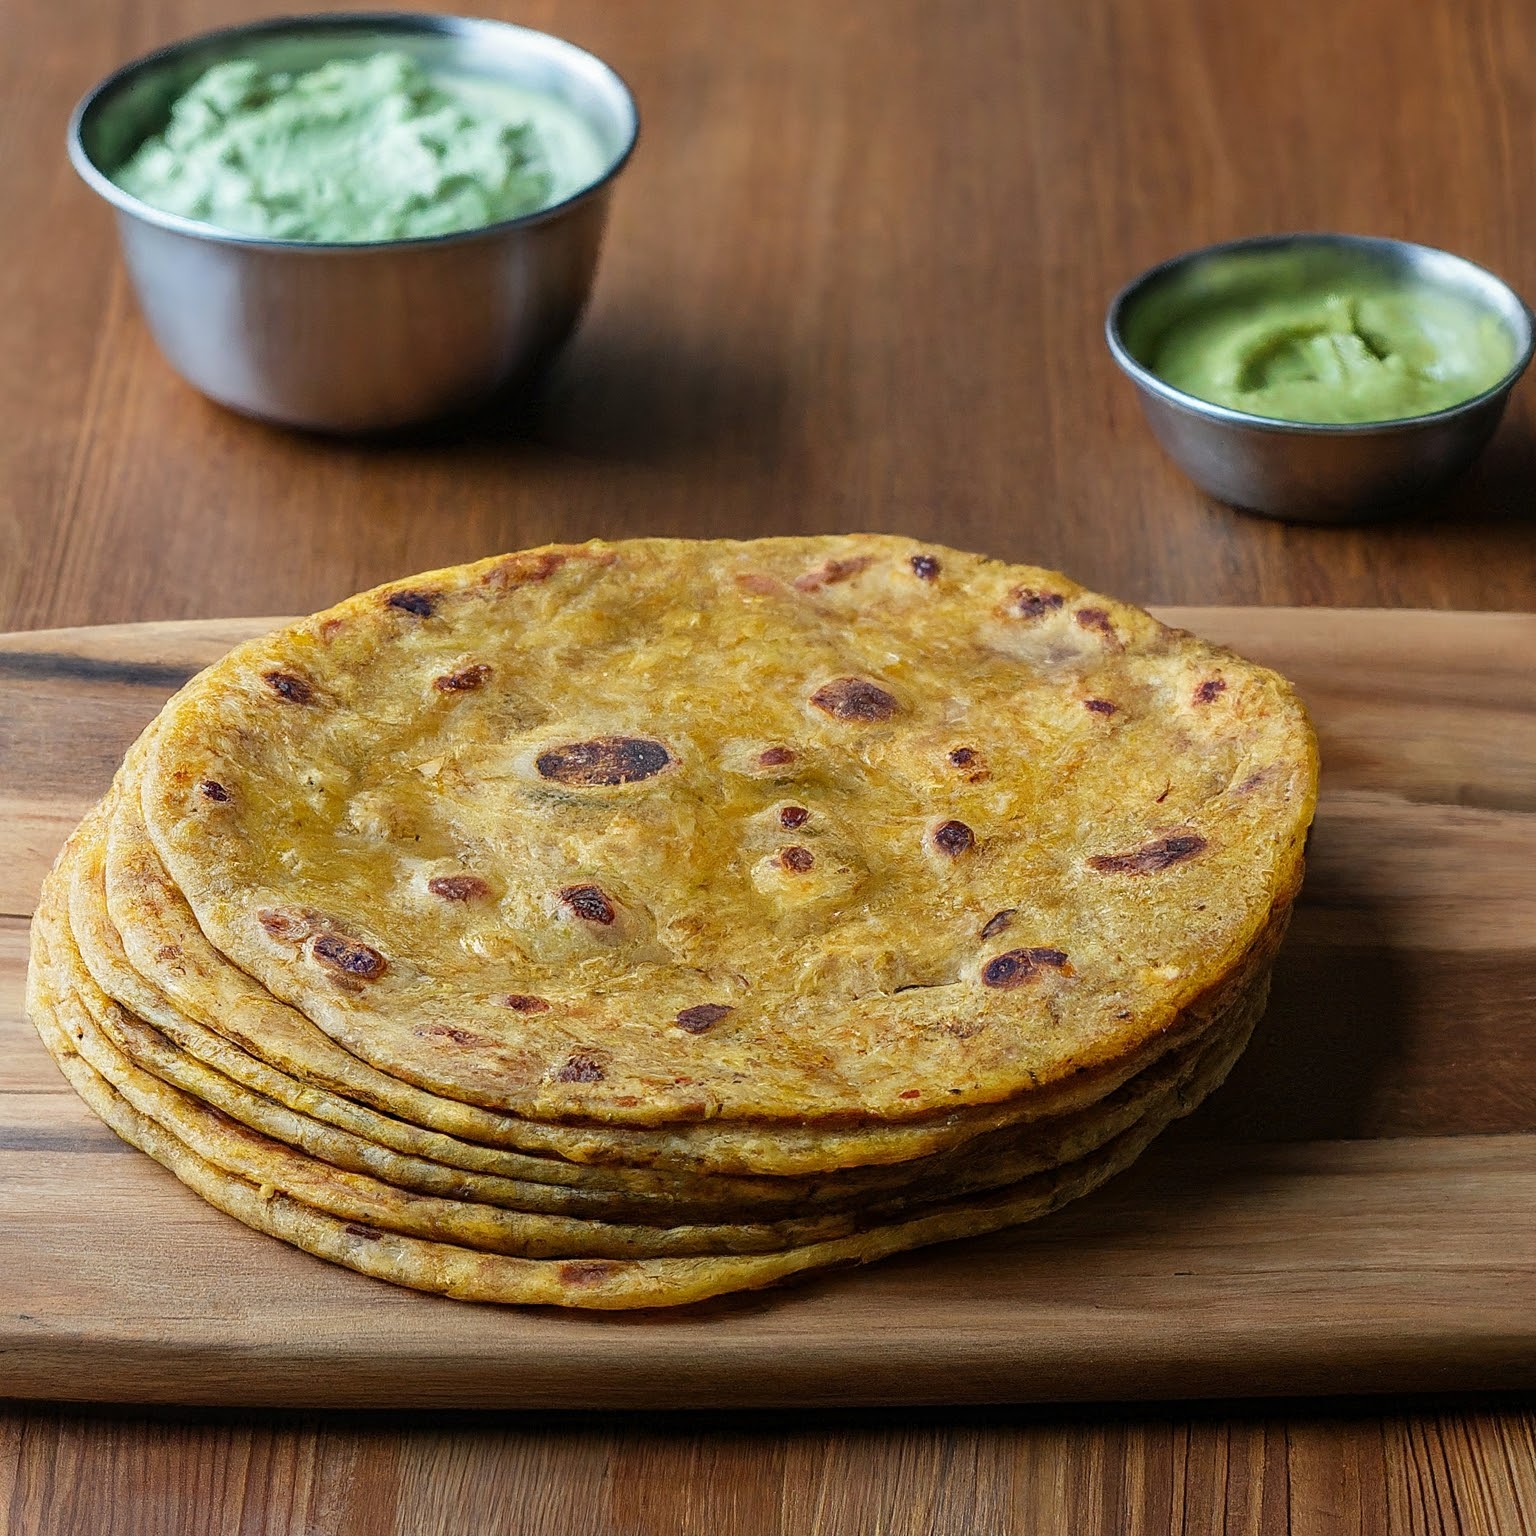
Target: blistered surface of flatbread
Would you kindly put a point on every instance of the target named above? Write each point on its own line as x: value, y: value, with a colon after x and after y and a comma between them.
x: 454, y: 1270
x: 802, y: 829
x: 362, y: 1141
x: 150, y: 925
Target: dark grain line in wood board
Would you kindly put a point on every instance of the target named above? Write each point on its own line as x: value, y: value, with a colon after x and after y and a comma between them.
x: 55, y: 1143
x: 33, y: 666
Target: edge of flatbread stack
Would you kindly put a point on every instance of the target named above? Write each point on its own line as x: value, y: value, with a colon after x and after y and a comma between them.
x: 617, y: 925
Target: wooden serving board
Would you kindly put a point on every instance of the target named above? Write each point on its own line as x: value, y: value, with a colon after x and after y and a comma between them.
x: 1355, y: 1211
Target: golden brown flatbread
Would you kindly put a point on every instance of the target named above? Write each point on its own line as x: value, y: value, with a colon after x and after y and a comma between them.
x: 473, y: 1275
x: 616, y: 925
x: 169, y: 952
x: 366, y: 1142
x: 799, y: 830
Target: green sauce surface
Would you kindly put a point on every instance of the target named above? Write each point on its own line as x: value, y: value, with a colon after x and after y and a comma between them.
x: 359, y: 150
x: 1357, y: 354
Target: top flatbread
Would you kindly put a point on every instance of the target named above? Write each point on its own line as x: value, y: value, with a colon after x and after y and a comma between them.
x: 811, y: 830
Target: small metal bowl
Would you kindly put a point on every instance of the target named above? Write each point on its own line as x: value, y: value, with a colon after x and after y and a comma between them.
x: 360, y: 337
x: 1300, y: 471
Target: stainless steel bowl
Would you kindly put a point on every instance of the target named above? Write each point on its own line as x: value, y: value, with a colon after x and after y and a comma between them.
x: 1304, y: 472
x: 351, y: 338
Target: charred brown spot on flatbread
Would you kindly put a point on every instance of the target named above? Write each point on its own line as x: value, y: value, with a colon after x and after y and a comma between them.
x: 971, y: 764
x: 1100, y: 706
x: 357, y: 1229
x: 1016, y: 966
x: 452, y: 1032
x: 995, y: 924
x: 775, y: 757
x: 288, y: 686
x: 465, y: 680
x: 525, y: 1002
x: 348, y: 957
x: 580, y: 1272
x: 1096, y: 619
x: 1031, y: 603
x: 854, y: 698
x: 521, y: 569
x: 459, y: 887
x: 211, y: 789
x: 702, y: 1016
x: 284, y: 923
x: 588, y: 903
x: 830, y: 572
x: 579, y: 1067
x: 792, y: 816
x: 1210, y: 690
x: 925, y: 567
x: 606, y: 760
x: 422, y: 604
x: 1160, y: 854
x: 796, y: 858
x: 953, y: 838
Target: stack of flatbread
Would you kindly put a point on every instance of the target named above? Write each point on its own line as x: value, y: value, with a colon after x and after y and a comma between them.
x: 616, y: 925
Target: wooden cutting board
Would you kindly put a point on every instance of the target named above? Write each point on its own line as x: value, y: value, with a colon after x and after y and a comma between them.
x: 1354, y: 1212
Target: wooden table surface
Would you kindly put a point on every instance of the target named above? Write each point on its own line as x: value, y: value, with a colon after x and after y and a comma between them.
x: 854, y: 279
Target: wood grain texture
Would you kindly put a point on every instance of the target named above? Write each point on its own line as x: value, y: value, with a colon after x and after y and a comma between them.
x: 1320, y: 1470
x: 1255, y: 1252
x: 854, y: 280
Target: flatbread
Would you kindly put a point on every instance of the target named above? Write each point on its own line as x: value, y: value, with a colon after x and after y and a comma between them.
x: 353, y: 1140
x: 575, y: 778
x: 471, y: 1275
x: 620, y: 925
x: 100, y: 946
x: 166, y: 948
x: 319, y: 1182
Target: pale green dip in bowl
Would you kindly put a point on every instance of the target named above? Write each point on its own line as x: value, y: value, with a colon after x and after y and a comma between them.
x: 1363, y: 350
x: 1321, y: 377
x: 359, y: 150
x: 357, y: 222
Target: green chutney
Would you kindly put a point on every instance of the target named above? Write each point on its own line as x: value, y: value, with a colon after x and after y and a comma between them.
x: 359, y: 150
x: 1356, y: 353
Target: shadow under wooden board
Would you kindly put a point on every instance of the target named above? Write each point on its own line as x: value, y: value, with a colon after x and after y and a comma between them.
x: 1355, y: 1211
